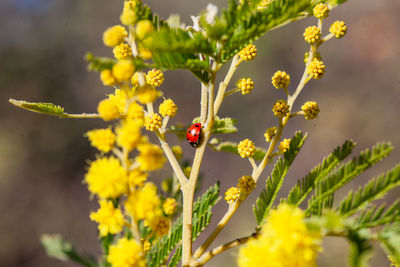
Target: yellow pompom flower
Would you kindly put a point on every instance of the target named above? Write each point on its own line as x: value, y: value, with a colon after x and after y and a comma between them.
x: 128, y: 134
x: 151, y: 157
x: 102, y: 139
x: 107, y: 178
x: 317, y: 55
x: 136, y: 178
x: 284, y: 145
x: 246, y: 148
x: 155, y: 77
x: 246, y: 85
x: 232, y: 194
x: 122, y: 51
x: 147, y: 94
x: 280, y: 108
x: 109, y: 218
x: 316, y: 69
x: 177, y: 150
x: 285, y: 241
x: 135, y: 79
x: 135, y: 112
x: 107, y: 110
x: 159, y: 225
x: 128, y: 16
x: 144, y: 203
x: 107, y: 78
x: 153, y: 122
x: 169, y: 206
x: 338, y: 28
x: 263, y: 4
x: 280, y: 79
x: 321, y: 11
x: 126, y: 253
x: 270, y: 133
x: 115, y: 35
x: 310, y: 109
x: 123, y: 70
x: 143, y: 29
x: 144, y: 52
x: 312, y: 34
x: 248, y: 53
x: 168, y: 108
x: 246, y: 185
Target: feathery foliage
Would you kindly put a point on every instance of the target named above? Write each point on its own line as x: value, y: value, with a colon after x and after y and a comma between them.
x: 274, y: 182
x: 304, y: 186
x: 376, y: 216
x: 376, y: 188
x: 202, y: 211
x: 57, y: 247
x: 329, y: 185
x: 44, y: 108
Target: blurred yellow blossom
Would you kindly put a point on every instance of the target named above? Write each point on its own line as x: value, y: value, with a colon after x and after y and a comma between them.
x: 102, y: 139
x: 115, y: 35
x: 109, y: 218
x: 151, y: 157
x: 126, y: 253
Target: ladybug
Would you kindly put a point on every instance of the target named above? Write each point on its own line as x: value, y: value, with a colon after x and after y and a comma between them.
x: 193, y: 134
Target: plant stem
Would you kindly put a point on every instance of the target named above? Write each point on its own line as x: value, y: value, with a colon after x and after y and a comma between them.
x: 212, y: 253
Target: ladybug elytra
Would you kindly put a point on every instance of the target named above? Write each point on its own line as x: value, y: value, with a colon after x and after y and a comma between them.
x: 193, y: 134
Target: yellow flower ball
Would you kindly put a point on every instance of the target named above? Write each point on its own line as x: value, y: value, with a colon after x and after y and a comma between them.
x: 246, y: 148
x: 338, y: 28
x: 108, y: 110
x: 107, y: 78
x: 109, y: 218
x: 129, y: 16
x: 159, y: 225
x: 168, y: 108
x: 321, y: 11
x: 312, y: 34
x: 122, y: 51
x: 246, y: 185
x: 115, y: 35
x: 317, y: 55
x: 126, y: 253
x: 144, y: 52
x: 102, y: 139
x: 123, y: 70
x: 153, y: 122
x: 128, y: 134
x: 136, y: 113
x: 248, y: 53
x: 310, y: 109
x: 246, y: 85
x: 155, y: 77
x: 232, y: 194
x: 147, y: 94
x: 143, y: 29
x: 281, y: 108
x: 316, y: 69
x: 284, y: 145
x: 169, y: 206
x: 144, y: 203
x: 107, y: 178
x: 270, y: 133
x: 151, y: 157
x: 280, y: 79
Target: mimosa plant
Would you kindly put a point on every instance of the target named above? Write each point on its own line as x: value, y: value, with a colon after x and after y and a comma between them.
x: 141, y: 225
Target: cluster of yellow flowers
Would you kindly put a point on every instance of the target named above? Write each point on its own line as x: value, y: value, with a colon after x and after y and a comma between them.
x: 285, y: 241
x: 119, y: 179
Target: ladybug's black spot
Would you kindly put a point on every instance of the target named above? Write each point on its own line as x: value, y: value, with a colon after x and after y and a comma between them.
x: 195, y: 134
x: 197, y: 126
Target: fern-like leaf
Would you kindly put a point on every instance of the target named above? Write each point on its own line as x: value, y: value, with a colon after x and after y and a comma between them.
x: 43, y: 108
x: 347, y: 172
x: 175, y: 259
x: 305, y: 186
x: 376, y: 188
x: 202, y: 211
x: 274, y: 182
x: 376, y: 216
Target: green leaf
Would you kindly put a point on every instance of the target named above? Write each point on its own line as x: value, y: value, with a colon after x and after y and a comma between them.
x: 274, y: 182
x: 57, y: 247
x: 231, y: 147
x: 305, y: 186
x: 222, y: 125
x: 176, y: 257
x: 347, y: 172
x: 389, y: 239
x: 202, y: 211
x: 245, y: 24
x: 376, y: 216
x: 376, y: 188
x: 99, y: 63
x: 44, y: 108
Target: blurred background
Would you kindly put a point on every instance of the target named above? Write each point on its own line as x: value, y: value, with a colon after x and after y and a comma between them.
x: 43, y: 159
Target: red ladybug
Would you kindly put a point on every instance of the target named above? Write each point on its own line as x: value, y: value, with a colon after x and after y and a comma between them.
x: 193, y: 134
